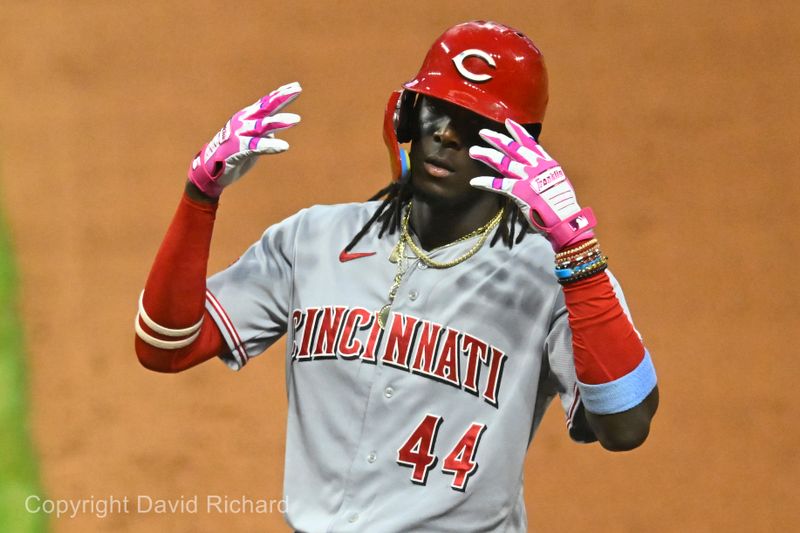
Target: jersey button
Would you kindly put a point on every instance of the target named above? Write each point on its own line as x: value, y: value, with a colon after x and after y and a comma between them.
x: 421, y: 265
x: 388, y: 392
x: 413, y: 295
x: 353, y: 518
x: 372, y: 457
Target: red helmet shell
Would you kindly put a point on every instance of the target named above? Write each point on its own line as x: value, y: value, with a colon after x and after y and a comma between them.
x: 488, y: 68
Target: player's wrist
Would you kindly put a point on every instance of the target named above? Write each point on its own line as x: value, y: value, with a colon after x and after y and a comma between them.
x: 579, y: 261
x: 193, y: 192
x: 573, y: 229
x: 205, y: 180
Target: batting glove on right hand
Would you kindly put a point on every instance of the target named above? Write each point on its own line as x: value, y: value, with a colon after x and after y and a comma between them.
x: 247, y: 135
x: 536, y: 183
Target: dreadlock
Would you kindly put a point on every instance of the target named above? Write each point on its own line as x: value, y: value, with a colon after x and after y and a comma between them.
x: 396, y: 195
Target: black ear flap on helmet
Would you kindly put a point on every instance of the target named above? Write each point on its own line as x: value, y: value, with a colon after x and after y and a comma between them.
x: 404, y: 116
x: 398, y: 128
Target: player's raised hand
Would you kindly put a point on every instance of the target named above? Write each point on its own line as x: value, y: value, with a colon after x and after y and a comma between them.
x: 247, y: 135
x: 536, y: 183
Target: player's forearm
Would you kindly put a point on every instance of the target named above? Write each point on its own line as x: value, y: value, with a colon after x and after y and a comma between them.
x: 171, y: 319
x: 616, y: 378
x: 174, y: 294
x: 172, y: 328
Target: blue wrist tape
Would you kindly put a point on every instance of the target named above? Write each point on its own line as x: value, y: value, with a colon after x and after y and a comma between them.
x: 622, y: 393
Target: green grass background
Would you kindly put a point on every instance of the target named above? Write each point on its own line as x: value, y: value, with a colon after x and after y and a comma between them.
x: 18, y: 470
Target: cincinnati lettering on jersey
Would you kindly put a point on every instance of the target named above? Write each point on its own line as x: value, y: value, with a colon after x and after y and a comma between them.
x: 420, y: 347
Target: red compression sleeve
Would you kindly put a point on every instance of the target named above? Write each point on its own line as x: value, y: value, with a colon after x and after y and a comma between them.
x: 175, y: 292
x: 605, y: 344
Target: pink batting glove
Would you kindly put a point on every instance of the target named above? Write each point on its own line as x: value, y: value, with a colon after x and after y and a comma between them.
x: 536, y: 183
x: 247, y: 135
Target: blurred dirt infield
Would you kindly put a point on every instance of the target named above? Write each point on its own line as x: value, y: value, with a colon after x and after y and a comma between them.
x: 677, y: 122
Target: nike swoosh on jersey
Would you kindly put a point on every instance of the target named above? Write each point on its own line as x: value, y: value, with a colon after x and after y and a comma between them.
x: 349, y: 256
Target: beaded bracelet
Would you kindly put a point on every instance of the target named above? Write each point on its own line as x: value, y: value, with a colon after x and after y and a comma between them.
x: 580, y: 256
x: 585, y: 274
x: 578, y: 264
x: 578, y: 259
x: 578, y: 269
x: 566, y: 253
x: 567, y: 272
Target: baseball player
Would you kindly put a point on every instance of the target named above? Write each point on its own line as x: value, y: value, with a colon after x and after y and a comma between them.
x: 428, y: 329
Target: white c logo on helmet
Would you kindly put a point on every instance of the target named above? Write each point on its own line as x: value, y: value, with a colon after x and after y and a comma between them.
x: 474, y: 52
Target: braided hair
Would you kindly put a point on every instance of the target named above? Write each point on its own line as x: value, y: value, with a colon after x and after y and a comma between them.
x: 397, y: 195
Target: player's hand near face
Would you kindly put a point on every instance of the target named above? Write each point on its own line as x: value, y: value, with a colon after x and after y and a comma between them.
x: 247, y: 135
x: 536, y: 183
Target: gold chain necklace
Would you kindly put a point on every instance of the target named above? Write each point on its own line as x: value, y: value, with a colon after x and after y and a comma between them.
x: 483, y: 231
x: 398, y: 256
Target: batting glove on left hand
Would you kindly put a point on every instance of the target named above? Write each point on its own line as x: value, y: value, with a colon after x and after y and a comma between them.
x: 247, y: 135
x: 536, y: 183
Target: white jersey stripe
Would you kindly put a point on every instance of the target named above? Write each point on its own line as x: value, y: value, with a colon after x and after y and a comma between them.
x: 576, y: 395
x: 226, y: 321
x: 232, y: 331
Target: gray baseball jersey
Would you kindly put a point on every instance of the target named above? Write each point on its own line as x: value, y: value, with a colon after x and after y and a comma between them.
x: 422, y: 425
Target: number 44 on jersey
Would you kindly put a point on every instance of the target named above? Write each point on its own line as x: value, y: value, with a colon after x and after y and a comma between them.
x: 417, y: 453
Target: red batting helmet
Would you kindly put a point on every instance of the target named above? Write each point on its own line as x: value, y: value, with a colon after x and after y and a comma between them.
x: 486, y: 67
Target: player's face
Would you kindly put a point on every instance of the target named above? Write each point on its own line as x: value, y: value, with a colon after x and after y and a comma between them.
x: 440, y: 164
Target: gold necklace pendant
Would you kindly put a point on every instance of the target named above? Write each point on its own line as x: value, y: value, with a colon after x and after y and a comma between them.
x: 383, y: 315
x: 394, y: 257
x: 397, y: 256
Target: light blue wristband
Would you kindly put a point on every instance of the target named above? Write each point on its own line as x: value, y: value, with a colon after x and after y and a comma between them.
x: 621, y: 394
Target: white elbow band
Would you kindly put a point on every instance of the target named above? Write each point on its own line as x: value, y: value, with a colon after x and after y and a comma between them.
x: 192, y: 331
x: 161, y: 330
x: 621, y: 394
